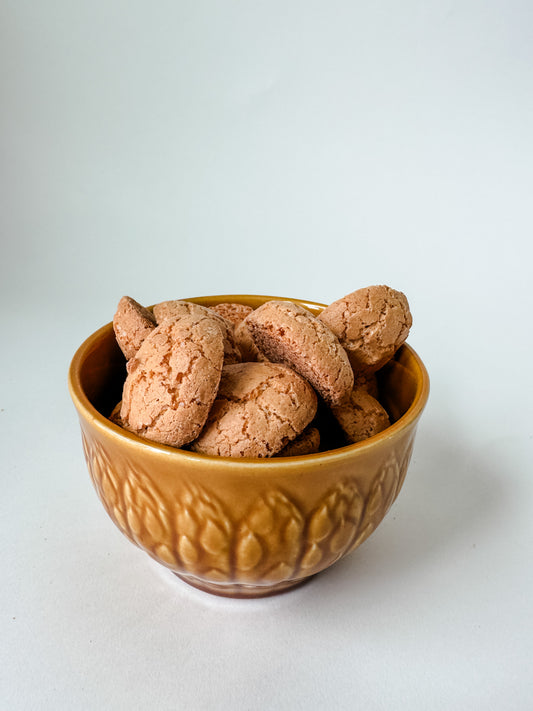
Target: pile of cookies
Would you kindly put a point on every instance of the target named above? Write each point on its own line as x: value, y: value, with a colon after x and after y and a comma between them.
x: 234, y: 381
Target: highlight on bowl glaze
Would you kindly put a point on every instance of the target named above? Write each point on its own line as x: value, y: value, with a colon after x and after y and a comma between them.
x: 243, y: 527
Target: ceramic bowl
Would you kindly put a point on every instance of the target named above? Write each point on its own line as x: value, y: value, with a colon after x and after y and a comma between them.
x: 243, y: 527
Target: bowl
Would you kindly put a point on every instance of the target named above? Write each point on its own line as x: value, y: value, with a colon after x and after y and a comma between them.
x: 243, y: 527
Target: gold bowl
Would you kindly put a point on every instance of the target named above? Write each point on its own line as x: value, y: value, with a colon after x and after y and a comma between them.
x: 243, y: 527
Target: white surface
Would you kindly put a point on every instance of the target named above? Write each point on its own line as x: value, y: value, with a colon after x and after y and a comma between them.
x: 168, y: 150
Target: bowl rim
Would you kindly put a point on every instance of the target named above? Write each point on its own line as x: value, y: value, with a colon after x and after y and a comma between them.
x: 87, y: 410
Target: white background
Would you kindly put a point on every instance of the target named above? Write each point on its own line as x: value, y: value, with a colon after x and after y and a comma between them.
x: 173, y: 149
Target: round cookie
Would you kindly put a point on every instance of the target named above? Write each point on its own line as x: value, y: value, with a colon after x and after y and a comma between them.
x: 288, y: 333
x: 131, y: 323
x: 173, y: 379
x: 361, y: 416
x: 235, y: 313
x: 175, y: 309
x: 371, y: 324
x: 306, y: 443
x: 259, y: 408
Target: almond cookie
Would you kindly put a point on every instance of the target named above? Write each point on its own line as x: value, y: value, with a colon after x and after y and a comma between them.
x: 361, y: 416
x: 259, y: 408
x: 131, y: 323
x: 232, y: 312
x: 368, y: 382
x: 174, y: 309
x: 306, y: 443
x: 371, y: 324
x: 288, y: 333
x: 173, y: 379
x: 249, y: 351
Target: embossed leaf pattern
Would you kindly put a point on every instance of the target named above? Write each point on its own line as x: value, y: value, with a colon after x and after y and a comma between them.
x: 195, y: 537
x: 269, y: 539
x: 380, y: 499
x: 133, y: 502
x: 148, y: 516
x: 106, y: 483
x: 203, y: 535
x: 273, y: 542
x: 332, y: 526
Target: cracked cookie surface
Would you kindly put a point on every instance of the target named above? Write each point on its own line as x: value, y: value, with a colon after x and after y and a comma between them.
x: 287, y: 333
x: 371, y: 324
x: 176, y: 308
x: 173, y: 379
x: 306, y: 443
x: 361, y: 416
x: 132, y: 323
x: 235, y: 313
x: 259, y: 408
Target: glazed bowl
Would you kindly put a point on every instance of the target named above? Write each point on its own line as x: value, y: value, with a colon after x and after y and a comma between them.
x: 242, y: 527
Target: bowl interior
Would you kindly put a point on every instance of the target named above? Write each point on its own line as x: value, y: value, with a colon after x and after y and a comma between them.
x: 103, y: 371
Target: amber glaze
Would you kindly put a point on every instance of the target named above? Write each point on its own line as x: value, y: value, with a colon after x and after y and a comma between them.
x: 243, y: 527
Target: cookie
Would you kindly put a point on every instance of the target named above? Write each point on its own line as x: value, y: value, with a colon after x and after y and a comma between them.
x: 235, y: 313
x: 259, y: 408
x: 306, y: 443
x: 287, y: 333
x: 368, y: 382
x: 249, y: 351
x: 117, y: 419
x: 173, y: 379
x: 173, y: 309
x: 371, y: 324
x: 115, y: 415
x: 131, y: 323
x: 361, y: 416
x: 331, y: 433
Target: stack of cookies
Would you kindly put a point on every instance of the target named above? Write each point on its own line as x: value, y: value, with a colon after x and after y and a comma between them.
x: 237, y: 382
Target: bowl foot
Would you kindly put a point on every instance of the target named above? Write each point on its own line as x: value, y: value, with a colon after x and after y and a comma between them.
x: 240, y: 590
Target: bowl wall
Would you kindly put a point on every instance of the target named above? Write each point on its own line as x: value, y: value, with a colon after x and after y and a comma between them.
x: 242, y: 527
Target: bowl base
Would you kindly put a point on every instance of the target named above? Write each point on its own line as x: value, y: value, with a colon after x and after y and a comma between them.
x: 241, y: 590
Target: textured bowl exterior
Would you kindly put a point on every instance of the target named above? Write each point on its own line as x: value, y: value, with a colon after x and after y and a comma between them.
x: 244, y: 528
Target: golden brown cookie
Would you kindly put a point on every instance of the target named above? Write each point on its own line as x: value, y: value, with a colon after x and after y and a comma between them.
x: 259, y: 408
x: 306, y: 443
x: 371, y: 324
x: 235, y: 313
x: 173, y: 379
x: 288, y: 333
x: 361, y: 416
x: 131, y: 323
x: 176, y: 308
